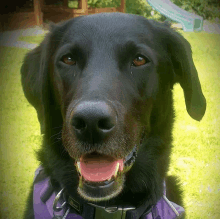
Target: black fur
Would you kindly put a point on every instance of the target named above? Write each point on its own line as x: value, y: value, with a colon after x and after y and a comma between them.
x: 104, y: 47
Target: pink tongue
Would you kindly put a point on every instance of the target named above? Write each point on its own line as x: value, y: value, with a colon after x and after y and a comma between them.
x: 99, y: 168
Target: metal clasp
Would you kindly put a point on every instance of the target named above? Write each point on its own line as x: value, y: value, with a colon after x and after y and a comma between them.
x: 56, y: 209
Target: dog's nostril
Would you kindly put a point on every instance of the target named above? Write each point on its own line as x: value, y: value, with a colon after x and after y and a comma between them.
x: 105, y: 124
x: 79, y: 123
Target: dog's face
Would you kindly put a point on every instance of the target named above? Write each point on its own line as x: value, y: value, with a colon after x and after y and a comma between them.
x: 105, y: 89
x: 102, y: 93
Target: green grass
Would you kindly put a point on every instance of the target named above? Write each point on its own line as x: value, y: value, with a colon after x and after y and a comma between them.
x: 31, y: 39
x: 196, y: 152
x: 19, y: 136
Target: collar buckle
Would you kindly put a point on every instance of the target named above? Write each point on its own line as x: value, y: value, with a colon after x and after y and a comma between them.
x: 113, y: 212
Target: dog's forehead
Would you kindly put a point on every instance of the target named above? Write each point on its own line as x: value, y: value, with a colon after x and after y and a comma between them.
x: 109, y: 26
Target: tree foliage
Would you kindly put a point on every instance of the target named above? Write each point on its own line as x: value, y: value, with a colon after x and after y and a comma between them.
x: 208, y: 9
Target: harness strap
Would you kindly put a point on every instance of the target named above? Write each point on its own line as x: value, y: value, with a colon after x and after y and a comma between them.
x: 164, y: 209
x: 44, y: 196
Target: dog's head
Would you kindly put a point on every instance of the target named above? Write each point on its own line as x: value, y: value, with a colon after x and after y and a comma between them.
x: 102, y: 88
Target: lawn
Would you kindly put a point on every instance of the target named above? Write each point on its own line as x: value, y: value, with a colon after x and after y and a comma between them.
x: 196, y: 151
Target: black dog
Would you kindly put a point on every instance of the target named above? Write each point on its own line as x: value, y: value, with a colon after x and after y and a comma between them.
x: 102, y: 87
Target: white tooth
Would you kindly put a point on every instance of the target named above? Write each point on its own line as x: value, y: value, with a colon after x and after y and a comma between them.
x: 116, y: 170
x: 78, y: 165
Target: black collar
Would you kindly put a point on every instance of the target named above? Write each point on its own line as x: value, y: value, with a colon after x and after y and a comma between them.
x: 94, y: 211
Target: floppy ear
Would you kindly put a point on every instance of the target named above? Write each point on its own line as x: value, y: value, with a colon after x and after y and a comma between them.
x: 34, y: 78
x: 187, y: 76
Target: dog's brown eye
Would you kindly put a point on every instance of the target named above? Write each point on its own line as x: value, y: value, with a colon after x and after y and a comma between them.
x: 139, y: 60
x: 67, y: 59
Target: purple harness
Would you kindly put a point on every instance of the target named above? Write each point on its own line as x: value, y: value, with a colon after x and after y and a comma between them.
x: 48, y: 205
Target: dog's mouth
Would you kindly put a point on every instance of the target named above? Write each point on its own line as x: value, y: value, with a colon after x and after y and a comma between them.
x: 101, y: 177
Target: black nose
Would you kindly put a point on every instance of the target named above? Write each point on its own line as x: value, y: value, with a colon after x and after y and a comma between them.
x: 93, y: 121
